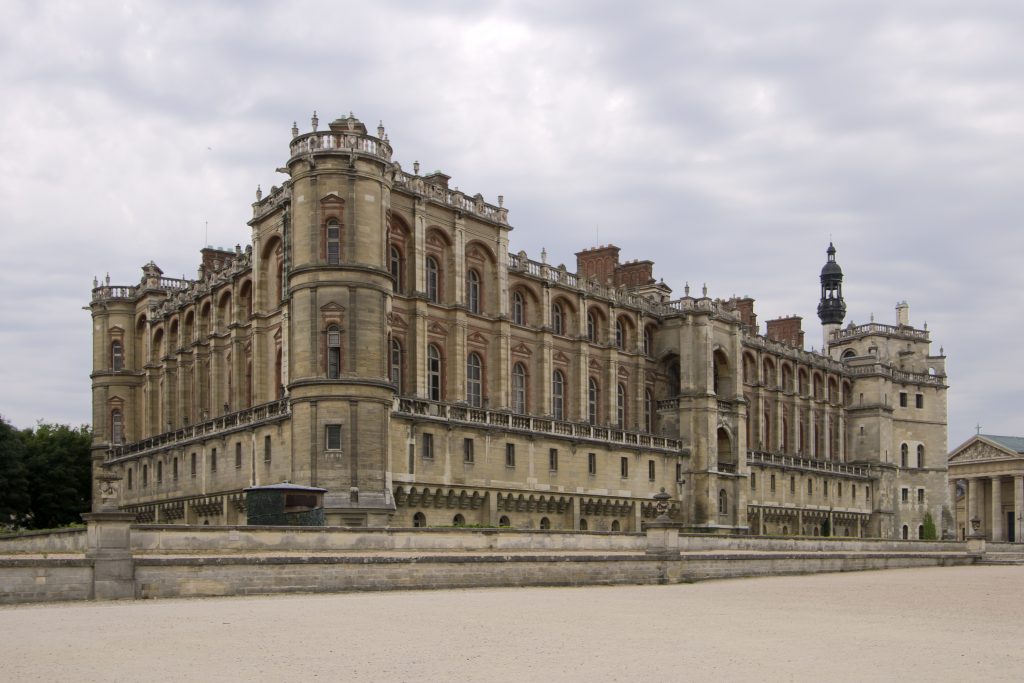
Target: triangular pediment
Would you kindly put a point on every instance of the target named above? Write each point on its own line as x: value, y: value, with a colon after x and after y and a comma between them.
x: 980, y: 449
x: 476, y: 338
x: 437, y: 328
x: 623, y: 373
x: 594, y: 365
x: 398, y: 321
x: 332, y: 307
x: 331, y: 198
x: 560, y: 357
x: 522, y: 350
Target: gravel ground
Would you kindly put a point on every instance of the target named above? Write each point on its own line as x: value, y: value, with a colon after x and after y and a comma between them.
x: 955, y: 623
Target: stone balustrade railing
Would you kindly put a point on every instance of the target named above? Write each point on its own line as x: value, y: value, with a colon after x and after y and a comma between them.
x: 327, y: 141
x: 805, y: 463
x: 901, y: 331
x: 248, y: 417
x: 448, y: 412
x: 454, y: 198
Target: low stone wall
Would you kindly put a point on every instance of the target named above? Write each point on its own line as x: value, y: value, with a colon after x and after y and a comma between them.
x: 164, y: 577
x: 45, y: 580
x: 176, y: 538
x: 115, y: 559
x: 706, y: 542
x: 54, y: 541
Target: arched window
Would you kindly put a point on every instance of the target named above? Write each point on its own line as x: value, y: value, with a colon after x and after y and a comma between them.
x: 648, y: 410
x: 620, y: 406
x: 723, y: 502
x: 592, y: 400
x: 518, y: 388
x: 396, y: 364
x: 433, y: 373
x: 558, y: 395
x: 620, y: 335
x: 557, y: 319
x: 518, y: 308
x: 545, y: 523
x: 616, y: 526
x: 474, y: 380
x: 116, y: 356
x: 591, y: 327
x: 920, y: 455
x: 433, y: 280
x: 583, y: 525
x: 906, y: 532
x: 459, y: 520
x: 920, y: 531
x: 504, y: 521
x: 333, y: 352
x: 333, y: 243
x: 473, y: 291
x: 904, y: 455
x: 116, y: 426
x: 396, y: 268
x: 648, y: 342
x: 419, y: 520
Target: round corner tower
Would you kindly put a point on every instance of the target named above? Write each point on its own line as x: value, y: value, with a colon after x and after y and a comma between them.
x: 338, y: 290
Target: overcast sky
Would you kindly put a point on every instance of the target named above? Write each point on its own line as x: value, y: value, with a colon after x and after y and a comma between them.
x: 727, y: 141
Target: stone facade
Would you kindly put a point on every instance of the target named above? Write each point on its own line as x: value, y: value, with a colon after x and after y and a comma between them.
x: 986, y: 481
x: 378, y: 339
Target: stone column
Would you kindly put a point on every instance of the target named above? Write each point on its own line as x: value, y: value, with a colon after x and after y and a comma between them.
x: 997, y: 510
x: 952, y: 508
x: 1018, y: 508
x: 972, y: 507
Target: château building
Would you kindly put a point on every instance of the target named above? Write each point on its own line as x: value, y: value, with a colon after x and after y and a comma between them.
x: 378, y: 339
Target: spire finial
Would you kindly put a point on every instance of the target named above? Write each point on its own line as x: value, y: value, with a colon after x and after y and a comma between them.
x: 315, y: 121
x: 295, y: 129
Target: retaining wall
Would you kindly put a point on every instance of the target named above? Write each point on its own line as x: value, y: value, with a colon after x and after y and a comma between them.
x: 55, y: 541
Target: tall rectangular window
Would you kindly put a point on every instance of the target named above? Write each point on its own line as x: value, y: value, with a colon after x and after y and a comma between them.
x: 792, y: 484
x: 650, y: 470
x: 903, y: 399
x: 332, y: 439
x: 510, y: 455
x: 553, y: 459
x: 919, y: 400
x: 333, y: 243
x: 174, y: 469
x: 591, y: 463
x: 771, y: 483
x: 194, y: 464
x: 412, y: 457
x: 238, y: 455
x: 753, y: 481
x: 467, y: 450
x: 428, y: 446
x: 920, y: 495
x: 904, y: 495
x: 679, y: 471
x: 213, y: 460
x: 266, y: 448
x: 624, y: 467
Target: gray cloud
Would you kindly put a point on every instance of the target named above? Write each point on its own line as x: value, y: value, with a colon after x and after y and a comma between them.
x: 728, y: 142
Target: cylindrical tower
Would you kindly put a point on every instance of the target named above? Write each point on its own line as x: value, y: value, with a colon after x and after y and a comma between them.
x: 338, y: 289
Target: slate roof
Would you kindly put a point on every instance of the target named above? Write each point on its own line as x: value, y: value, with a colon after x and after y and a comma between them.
x: 1013, y: 443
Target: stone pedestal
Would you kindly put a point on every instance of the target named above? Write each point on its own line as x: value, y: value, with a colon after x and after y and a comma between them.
x: 109, y: 539
x: 663, y: 538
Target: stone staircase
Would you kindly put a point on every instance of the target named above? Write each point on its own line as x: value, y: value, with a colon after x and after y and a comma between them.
x: 1003, y: 553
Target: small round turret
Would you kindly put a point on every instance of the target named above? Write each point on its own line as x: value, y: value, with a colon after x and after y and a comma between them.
x: 831, y: 307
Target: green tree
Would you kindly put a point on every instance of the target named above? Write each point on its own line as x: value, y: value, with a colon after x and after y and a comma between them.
x: 14, y: 494
x: 928, y: 533
x: 59, y: 474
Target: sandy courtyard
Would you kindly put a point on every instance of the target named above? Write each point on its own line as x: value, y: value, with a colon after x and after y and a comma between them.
x: 958, y: 623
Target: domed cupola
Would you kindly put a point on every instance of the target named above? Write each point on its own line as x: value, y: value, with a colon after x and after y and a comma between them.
x: 831, y: 308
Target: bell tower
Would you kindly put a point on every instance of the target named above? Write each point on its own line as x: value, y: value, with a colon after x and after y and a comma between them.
x: 831, y: 307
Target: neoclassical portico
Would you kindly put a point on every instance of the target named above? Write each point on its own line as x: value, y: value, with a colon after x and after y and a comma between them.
x: 986, y: 479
